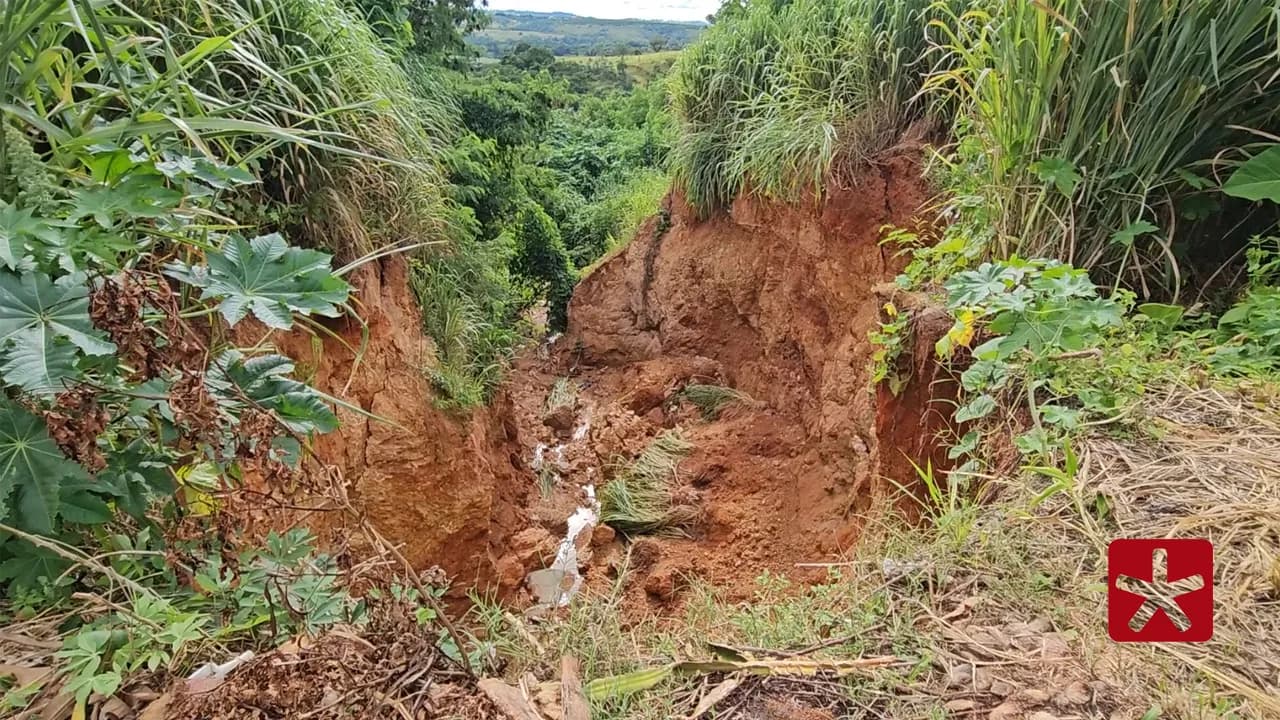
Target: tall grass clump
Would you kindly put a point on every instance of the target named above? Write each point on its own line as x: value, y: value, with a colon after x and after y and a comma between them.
x: 712, y: 399
x: 639, y: 498
x: 338, y: 77
x: 1095, y: 127
x: 777, y: 97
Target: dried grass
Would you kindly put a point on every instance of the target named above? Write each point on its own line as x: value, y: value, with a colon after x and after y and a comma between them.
x: 1210, y: 468
x: 640, y: 497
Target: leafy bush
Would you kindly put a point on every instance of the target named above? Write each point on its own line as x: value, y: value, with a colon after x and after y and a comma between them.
x: 124, y: 267
x: 1248, y: 334
x: 277, y: 591
x: 542, y: 263
x: 469, y: 309
x: 613, y: 219
x: 1032, y: 314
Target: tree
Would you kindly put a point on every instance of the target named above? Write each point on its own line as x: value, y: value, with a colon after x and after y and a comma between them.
x: 543, y: 264
x: 530, y: 58
x: 728, y: 9
x: 432, y: 28
x: 657, y: 43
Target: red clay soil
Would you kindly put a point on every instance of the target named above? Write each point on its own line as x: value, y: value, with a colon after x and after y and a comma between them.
x: 446, y: 487
x: 776, y: 301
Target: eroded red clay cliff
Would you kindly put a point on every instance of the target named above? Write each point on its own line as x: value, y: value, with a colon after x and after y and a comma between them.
x: 444, y: 486
x: 779, y: 299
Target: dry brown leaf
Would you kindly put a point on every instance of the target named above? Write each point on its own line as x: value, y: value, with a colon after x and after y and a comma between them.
x: 158, y: 709
x: 963, y: 608
x: 23, y: 676
x: 510, y: 700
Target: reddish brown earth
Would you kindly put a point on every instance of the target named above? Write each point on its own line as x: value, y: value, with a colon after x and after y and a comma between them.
x: 776, y: 301
x: 446, y: 487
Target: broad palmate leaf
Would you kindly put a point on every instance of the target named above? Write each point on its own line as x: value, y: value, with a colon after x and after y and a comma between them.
x: 42, y: 322
x: 267, y: 277
x: 240, y: 382
x: 32, y: 470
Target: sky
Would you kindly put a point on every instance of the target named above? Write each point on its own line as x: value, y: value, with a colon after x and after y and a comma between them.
x: 644, y: 9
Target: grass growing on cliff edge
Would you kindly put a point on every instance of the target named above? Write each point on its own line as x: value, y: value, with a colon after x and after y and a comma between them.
x: 777, y: 96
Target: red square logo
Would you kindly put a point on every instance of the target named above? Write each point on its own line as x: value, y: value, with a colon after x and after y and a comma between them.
x: 1160, y: 590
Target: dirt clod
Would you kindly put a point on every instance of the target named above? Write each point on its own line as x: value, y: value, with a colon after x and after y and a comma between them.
x: 1007, y: 710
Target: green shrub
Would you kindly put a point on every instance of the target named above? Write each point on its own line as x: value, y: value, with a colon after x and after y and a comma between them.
x: 542, y: 263
x: 613, y: 219
x: 470, y: 310
x: 130, y: 139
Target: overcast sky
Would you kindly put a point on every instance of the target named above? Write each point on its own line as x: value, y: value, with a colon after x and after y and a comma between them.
x: 646, y: 9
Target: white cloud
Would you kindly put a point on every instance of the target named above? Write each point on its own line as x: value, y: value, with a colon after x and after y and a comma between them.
x: 644, y: 9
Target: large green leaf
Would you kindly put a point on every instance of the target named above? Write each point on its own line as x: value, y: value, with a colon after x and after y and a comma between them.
x: 41, y: 324
x: 137, y: 196
x: 1062, y: 173
x: 29, y: 567
x: 19, y: 228
x: 39, y: 362
x: 264, y: 381
x: 1257, y: 179
x: 267, y: 277
x: 33, y: 300
x: 32, y: 470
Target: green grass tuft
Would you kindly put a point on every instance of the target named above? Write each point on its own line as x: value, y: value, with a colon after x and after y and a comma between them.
x: 638, y: 499
x: 711, y: 399
x: 1095, y: 131
x: 564, y: 393
x: 776, y: 97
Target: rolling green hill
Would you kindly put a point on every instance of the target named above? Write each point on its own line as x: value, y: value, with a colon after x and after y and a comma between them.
x: 566, y: 34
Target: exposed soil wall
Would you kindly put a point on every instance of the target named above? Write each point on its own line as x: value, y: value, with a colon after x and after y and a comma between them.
x: 777, y: 301
x: 446, y: 486
x: 782, y: 295
x: 774, y: 300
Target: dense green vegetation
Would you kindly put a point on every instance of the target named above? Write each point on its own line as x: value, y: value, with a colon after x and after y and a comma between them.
x: 557, y: 163
x: 160, y: 166
x: 1097, y: 137
x: 779, y: 96
x: 163, y: 168
x: 1092, y: 163
x: 171, y: 170
x: 565, y: 34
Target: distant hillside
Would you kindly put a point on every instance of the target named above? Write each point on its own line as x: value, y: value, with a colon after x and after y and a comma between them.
x: 565, y: 34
